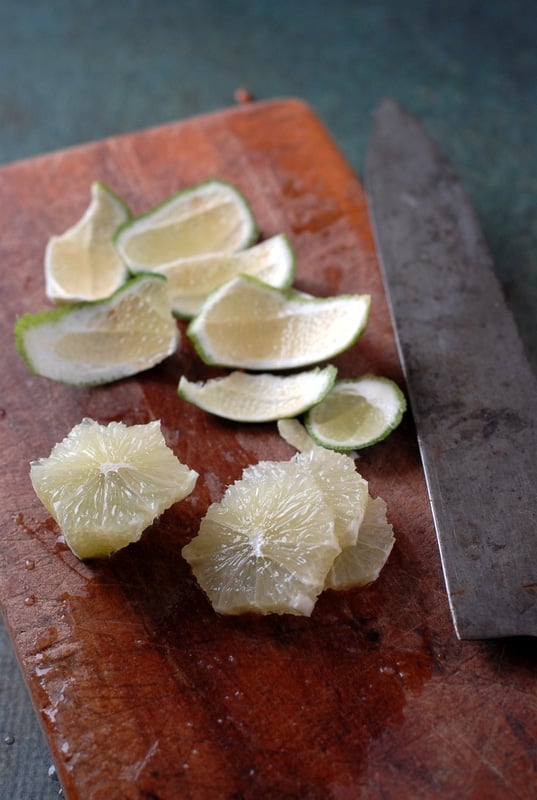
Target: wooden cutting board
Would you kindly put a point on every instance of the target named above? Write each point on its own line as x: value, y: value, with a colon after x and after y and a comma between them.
x: 142, y: 690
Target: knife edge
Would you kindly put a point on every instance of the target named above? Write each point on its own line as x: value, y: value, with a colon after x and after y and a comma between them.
x: 470, y: 387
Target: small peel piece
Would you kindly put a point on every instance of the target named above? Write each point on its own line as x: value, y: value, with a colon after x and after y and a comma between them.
x: 356, y: 413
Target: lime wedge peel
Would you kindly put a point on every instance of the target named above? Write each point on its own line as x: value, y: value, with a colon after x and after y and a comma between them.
x: 213, y: 216
x: 82, y: 264
x: 249, y: 325
x: 356, y: 413
x: 105, y: 484
x: 261, y: 397
x: 94, y: 343
x: 191, y: 280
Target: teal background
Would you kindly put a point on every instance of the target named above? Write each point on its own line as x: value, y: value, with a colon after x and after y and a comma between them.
x: 73, y: 71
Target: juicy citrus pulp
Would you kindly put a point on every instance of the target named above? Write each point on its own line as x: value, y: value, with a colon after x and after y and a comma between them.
x: 345, y: 491
x: 368, y: 543
x: 94, y: 343
x: 356, y: 413
x: 213, y: 216
x: 361, y: 563
x: 105, y: 484
x: 191, y: 280
x: 274, y: 541
x: 250, y: 325
x: 261, y: 397
x: 82, y: 264
x: 267, y: 546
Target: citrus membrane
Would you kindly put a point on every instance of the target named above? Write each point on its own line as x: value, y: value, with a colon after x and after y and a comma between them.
x: 356, y: 413
x: 267, y: 546
x: 250, y: 325
x: 260, y: 397
x: 94, y: 343
x: 83, y: 264
x: 191, y: 280
x: 360, y: 564
x: 105, y: 484
x: 212, y: 216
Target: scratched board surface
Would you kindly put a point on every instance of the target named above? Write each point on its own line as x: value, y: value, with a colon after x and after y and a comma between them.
x: 141, y: 689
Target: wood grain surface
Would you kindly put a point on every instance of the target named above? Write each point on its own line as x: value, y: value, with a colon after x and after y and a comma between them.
x: 142, y: 690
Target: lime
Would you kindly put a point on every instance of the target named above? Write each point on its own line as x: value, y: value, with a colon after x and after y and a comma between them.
x: 360, y: 564
x: 82, y: 264
x: 268, y: 545
x: 251, y: 325
x: 93, y: 343
x: 213, y: 216
x: 191, y: 280
x: 344, y: 489
x: 262, y: 397
x: 356, y: 413
x: 105, y: 484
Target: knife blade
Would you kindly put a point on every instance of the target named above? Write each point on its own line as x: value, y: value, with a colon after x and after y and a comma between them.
x: 472, y: 392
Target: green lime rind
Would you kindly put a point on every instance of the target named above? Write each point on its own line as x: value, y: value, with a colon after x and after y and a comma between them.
x: 293, y: 300
x: 107, y: 371
x: 261, y: 397
x: 382, y: 424
x: 117, y: 197
x: 249, y: 240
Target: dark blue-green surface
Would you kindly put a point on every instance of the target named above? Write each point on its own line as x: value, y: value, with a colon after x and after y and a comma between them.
x: 77, y: 70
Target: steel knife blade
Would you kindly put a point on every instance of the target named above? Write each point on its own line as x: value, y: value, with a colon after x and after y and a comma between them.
x: 472, y: 392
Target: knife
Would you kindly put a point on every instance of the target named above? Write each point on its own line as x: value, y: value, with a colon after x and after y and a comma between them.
x: 472, y: 392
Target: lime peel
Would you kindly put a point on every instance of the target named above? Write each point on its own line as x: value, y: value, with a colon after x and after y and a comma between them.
x: 82, y: 264
x: 356, y: 413
x: 212, y: 216
x: 248, y: 324
x: 94, y: 343
x: 191, y: 280
x: 261, y: 397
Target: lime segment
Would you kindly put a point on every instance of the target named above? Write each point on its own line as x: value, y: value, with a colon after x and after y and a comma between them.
x: 268, y: 545
x: 104, y: 484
